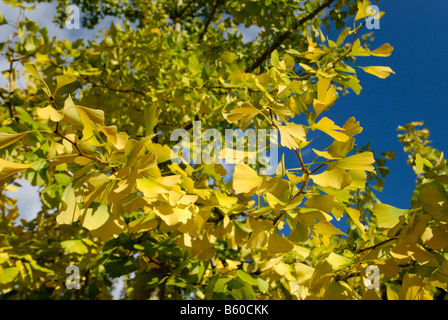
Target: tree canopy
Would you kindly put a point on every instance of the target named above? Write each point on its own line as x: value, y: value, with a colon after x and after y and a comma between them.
x: 91, y: 123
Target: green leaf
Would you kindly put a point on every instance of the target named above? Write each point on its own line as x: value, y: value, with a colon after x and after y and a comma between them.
x: 31, y: 68
x: 74, y: 246
x: 387, y: 216
x: 8, y: 275
x: 2, y: 19
x: 8, y: 168
x: 152, y: 113
x: 9, y: 138
x: 64, y: 80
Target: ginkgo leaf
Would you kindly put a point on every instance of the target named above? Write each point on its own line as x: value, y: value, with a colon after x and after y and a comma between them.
x: 94, y: 218
x: 292, y: 85
x: 92, y: 119
x: 246, y: 112
x: 354, y: 215
x: 173, y: 215
x: 336, y: 178
x: 9, y: 138
x: 278, y: 244
x: 8, y: 168
x: 387, y: 216
x: 8, y: 275
x: 342, y: 36
x: 245, y: 179
x: 64, y: 80
x: 327, y: 125
x: 31, y: 68
x: 384, y: 51
x: 325, y: 96
x: 435, y: 238
x: 338, y: 261
x: 50, y: 113
x: 303, y: 273
x: 362, y: 10
x: 379, y: 71
x: 234, y: 156
x: 321, y: 202
x: 151, y: 187
x: 74, y: 246
x: 291, y: 135
x: 326, y: 228
x: 71, y: 114
x: 351, y: 127
x: 70, y: 211
x: 359, y: 161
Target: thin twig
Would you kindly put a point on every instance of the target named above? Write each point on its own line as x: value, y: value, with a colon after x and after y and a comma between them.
x: 209, y: 20
x: 349, y: 50
x: 378, y: 244
x: 280, y: 39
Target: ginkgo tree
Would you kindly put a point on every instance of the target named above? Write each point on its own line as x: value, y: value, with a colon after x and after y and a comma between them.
x: 91, y: 127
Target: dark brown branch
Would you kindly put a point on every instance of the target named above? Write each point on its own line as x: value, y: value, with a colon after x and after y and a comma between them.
x: 281, y: 38
x: 115, y: 89
x: 312, y: 172
x: 10, y: 54
x: 378, y: 244
x: 209, y: 20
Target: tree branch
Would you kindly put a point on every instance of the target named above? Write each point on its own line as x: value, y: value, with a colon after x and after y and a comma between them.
x: 280, y: 39
x: 209, y: 20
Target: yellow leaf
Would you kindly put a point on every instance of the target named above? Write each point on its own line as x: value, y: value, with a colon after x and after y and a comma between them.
x: 387, y: 216
x: 434, y: 237
x: 111, y: 228
x: 92, y: 119
x: 359, y: 161
x: 278, y: 244
x: 143, y: 224
x: 70, y: 211
x: 379, y: 71
x: 362, y: 10
x: 327, y: 125
x: 74, y: 246
x: 226, y: 201
x: 9, y: 138
x: 342, y: 36
x: 50, y: 113
x: 351, y: 127
x: 384, y: 51
x: 354, y: 215
x: 335, y: 178
x: 93, y: 218
x: 326, y: 228
x: 358, y: 179
x: 321, y: 202
x: 245, y: 179
x: 173, y: 215
x: 303, y: 273
x: 293, y: 84
x: 338, y: 261
x: 151, y: 187
x: 63, y: 80
x: 246, y: 112
x: 291, y: 135
x: 325, y: 96
x: 8, y: 168
x: 413, y: 288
